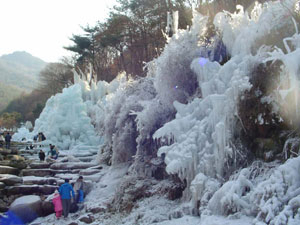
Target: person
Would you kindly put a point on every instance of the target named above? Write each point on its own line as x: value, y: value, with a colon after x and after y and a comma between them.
x: 7, y: 140
x: 57, y: 204
x: 2, y: 140
x: 43, y: 138
x: 78, y: 188
x: 35, y: 138
x: 53, y: 152
x: 65, y: 194
x: 42, y: 155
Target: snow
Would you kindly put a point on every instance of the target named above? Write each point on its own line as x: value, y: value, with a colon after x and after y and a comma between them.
x: 22, y: 133
x: 29, y: 199
x: 188, y: 104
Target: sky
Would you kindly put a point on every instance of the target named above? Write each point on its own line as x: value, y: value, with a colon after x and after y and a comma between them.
x: 43, y: 27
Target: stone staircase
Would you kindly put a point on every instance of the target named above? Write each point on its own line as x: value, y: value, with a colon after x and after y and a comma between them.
x: 43, y: 178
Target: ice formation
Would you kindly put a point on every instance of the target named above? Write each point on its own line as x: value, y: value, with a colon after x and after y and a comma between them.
x: 186, y: 109
x: 203, y: 153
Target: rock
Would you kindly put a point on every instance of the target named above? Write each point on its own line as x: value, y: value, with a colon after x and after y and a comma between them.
x: 82, y: 154
x: 265, y: 148
x: 41, y: 165
x: 86, y: 159
x: 29, y: 180
x: 87, y: 187
x: 73, y: 223
x: 30, y: 189
x: 38, y: 172
x: 89, y: 172
x: 47, y: 208
x: 177, y: 188
x: 97, y: 210
x: 8, y: 170
x: 16, y: 162
x: 87, y: 219
x: 2, y: 185
x: 5, y: 151
x: 70, y: 166
x: 27, y: 209
x: 9, y: 179
x: 25, y: 200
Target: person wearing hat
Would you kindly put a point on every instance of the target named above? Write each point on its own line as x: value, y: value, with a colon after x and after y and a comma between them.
x: 65, y: 194
x: 57, y: 204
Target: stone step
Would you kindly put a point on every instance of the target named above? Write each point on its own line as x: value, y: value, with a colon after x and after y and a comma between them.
x: 82, y: 154
x: 9, y: 170
x: 9, y: 179
x: 30, y: 180
x: 86, y: 158
x: 30, y: 189
x: 38, y: 172
x: 47, y: 172
x: 72, y: 165
x: 29, y: 152
x: 73, y: 177
x: 39, y: 165
x: 16, y: 163
x: 89, y: 171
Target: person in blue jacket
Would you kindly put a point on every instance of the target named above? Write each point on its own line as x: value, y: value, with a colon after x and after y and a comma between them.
x: 65, y: 194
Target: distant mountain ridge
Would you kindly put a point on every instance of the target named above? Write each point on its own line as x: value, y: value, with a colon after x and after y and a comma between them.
x: 20, y: 69
x: 19, y: 73
x: 25, y: 59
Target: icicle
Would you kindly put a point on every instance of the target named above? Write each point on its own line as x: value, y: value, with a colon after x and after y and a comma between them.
x: 76, y: 77
x: 175, y: 22
x: 169, y: 24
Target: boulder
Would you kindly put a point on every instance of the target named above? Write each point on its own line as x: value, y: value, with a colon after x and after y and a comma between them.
x: 47, y: 208
x: 8, y: 170
x: 2, y: 185
x: 87, y: 219
x: 23, y: 210
x: 9, y: 179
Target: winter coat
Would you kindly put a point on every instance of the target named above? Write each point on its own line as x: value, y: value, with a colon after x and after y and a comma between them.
x: 7, y: 138
x: 65, y: 191
x: 41, y: 155
x: 78, y: 185
x: 57, y: 203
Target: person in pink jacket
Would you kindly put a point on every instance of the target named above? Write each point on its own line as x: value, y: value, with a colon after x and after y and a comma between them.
x: 57, y: 204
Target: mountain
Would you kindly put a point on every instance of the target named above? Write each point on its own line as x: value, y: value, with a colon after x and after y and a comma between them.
x: 18, y: 73
x: 20, y: 69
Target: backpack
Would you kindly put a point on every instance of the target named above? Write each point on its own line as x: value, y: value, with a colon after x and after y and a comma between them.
x: 73, y: 207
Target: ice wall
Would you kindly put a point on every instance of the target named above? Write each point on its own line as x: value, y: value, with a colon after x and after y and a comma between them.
x: 65, y: 121
x: 203, y: 153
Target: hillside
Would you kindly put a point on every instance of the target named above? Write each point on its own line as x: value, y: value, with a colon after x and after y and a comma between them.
x: 7, y: 94
x: 20, y: 69
x: 18, y: 73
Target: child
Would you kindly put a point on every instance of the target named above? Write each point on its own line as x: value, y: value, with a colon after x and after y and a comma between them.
x: 57, y: 204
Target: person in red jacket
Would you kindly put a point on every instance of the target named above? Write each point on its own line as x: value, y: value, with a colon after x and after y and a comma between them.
x: 57, y: 204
